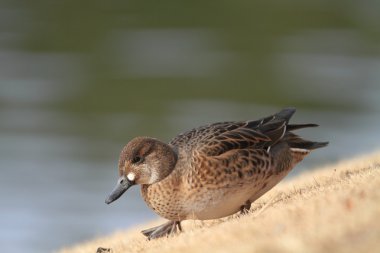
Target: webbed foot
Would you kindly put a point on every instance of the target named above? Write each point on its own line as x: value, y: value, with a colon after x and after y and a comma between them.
x: 165, y: 229
x: 244, y: 209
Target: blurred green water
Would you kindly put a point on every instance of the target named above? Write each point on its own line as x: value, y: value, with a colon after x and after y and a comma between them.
x: 236, y: 45
x: 79, y: 79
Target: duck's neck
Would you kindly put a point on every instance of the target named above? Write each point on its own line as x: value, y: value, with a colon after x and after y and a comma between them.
x: 166, y: 159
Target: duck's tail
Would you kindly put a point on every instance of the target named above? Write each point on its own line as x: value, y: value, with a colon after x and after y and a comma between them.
x: 293, y: 140
x: 299, y: 147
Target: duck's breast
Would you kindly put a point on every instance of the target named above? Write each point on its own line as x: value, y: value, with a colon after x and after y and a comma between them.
x: 217, y: 203
x: 165, y: 198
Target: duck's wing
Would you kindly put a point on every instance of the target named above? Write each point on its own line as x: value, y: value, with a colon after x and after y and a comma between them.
x: 218, y: 138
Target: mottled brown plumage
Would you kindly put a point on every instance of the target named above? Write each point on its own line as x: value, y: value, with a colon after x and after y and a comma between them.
x: 212, y: 171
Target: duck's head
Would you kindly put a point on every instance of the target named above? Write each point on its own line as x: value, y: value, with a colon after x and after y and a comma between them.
x: 143, y: 160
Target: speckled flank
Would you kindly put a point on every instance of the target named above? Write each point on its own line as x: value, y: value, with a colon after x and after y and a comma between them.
x: 215, y: 170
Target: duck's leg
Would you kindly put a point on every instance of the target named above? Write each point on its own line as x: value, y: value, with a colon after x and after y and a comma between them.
x: 165, y: 229
x: 245, y: 208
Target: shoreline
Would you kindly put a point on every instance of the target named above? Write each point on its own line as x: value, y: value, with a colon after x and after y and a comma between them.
x: 334, y: 208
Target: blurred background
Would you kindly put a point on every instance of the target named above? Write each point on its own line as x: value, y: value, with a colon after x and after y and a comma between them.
x: 79, y: 79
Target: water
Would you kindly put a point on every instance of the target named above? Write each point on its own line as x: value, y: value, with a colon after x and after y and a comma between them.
x: 72, y: 93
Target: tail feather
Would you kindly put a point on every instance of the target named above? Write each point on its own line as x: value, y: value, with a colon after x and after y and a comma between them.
x: 293, y: 127
x: 294, y: 141
x: 278, y: 129
x: 286, y: 114
x: 299, y: 147
x: 309, y: 145
x: 283, y: 115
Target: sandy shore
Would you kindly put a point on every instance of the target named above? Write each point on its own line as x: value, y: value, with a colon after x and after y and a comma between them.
x: 331, y: 209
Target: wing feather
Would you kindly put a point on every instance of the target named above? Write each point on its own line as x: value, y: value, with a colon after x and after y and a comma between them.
x: 218, y: 138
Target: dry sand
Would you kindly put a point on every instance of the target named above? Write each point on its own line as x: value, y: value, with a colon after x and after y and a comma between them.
x: 331, y: 209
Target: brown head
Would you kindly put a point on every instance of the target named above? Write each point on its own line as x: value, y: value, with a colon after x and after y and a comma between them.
x: 143, y: 160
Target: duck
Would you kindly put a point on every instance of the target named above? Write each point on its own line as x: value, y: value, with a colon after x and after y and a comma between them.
x: 212, y: 171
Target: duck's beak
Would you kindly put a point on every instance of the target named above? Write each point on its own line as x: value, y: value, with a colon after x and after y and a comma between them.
x: 122, y: 185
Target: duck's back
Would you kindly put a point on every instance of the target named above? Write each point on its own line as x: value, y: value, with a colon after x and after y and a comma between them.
x: 217, y: 138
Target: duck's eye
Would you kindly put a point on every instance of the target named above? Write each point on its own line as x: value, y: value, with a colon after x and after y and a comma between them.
x: 137, y: 159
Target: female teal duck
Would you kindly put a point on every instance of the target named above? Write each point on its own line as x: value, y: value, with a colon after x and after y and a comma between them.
x: 212, y: 171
